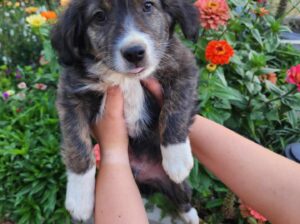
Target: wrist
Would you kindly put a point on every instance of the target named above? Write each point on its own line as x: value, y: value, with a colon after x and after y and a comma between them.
x: 114, y: 156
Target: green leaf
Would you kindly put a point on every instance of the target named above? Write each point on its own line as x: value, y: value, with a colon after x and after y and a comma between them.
x: 267, y: 70
x: 293, y: 118
x: 272, y: 115
x: 214, y: 203
x: 273, y: 88
x: 227, y: 93
x: 220, y: 74
x: 255, y: 33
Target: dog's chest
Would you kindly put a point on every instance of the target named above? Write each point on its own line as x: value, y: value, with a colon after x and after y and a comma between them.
x: 134, y: 105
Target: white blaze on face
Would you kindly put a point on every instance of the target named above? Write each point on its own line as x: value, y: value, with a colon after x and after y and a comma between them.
x: 131, y: 37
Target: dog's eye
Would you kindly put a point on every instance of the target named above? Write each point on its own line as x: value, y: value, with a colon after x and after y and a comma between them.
x: 100, y: 16
x: 148, y: 6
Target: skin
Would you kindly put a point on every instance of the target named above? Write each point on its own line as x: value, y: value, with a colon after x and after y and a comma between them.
x: 118, y: 199
x: 263, y: 179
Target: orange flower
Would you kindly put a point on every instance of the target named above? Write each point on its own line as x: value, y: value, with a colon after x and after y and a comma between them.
x: 49, y: 15
x: 272, y: 77
x: 218, y: 52
x: 263, y: 11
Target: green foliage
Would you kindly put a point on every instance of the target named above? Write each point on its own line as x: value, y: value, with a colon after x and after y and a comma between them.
x: 31, y: 172
x: 18, y: 44
x: 235, y: 96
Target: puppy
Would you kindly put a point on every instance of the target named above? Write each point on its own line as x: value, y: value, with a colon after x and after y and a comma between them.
x: 102, y: 43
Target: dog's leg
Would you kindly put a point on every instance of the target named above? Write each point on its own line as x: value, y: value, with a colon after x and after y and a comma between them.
x: 79, y: 159
x: 175, y: 119
x: 180, y: 195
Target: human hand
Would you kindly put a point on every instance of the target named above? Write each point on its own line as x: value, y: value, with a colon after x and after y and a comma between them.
x: 110, y: 130
x: 155, y: 89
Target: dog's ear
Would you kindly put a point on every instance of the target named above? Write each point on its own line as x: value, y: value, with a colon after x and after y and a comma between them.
x: 186, y: 14
x: 68, y: 35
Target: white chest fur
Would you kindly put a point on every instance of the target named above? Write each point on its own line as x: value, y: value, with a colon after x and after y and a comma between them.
x: 134, y: 111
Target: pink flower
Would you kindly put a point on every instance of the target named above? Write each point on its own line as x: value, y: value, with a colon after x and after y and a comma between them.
x: 256, y: 215
x: 97, y: 154
x: 247, y: 211
x: 213, y: 13
x: 22, y: 85
x: 293, y: 76
x: 40, y: 86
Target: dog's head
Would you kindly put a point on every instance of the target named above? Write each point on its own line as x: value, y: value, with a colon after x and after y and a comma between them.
x: 126, y: 36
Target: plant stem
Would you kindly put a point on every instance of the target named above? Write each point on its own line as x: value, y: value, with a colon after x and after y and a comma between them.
x: 282, y: 96
x: 228, y: 26
x: 197, y: 47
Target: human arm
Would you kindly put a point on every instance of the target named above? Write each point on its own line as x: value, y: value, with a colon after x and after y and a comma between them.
x: 263, y: 179
x: 118, y: 199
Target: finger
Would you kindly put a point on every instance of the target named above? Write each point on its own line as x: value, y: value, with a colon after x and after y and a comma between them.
x: 155, y: 88
x: 114, y: 102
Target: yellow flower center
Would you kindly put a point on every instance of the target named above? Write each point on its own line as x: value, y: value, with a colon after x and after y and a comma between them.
x: 212, y: 5
x: 220, y: 50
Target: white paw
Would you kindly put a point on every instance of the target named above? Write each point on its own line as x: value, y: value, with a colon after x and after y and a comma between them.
x: 190, y: 217
x: 80, y: 194
x: 177, y: 160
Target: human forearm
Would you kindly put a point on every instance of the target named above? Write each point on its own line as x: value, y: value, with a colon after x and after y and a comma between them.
x: 117, y: 197
x: 264, y: 180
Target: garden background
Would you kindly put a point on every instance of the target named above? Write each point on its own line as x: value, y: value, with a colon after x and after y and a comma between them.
x: 255, y: 93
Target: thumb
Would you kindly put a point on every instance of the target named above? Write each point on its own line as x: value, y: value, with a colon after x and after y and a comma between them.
x: 114, y: 102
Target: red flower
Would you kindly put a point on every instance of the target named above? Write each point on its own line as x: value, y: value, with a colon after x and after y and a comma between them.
x: 247, y: 211
x: 293, y: 76
x: 218, y: 52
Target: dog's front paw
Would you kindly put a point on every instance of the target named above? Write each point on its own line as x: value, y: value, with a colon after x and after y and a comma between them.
x: 190, y: 217
x: 80, y: 194
x: 177, y: 160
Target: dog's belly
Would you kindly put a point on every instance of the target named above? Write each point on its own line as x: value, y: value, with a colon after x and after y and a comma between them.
x: 145, y: 170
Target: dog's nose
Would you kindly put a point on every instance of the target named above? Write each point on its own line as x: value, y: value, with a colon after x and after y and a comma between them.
x: 134, y: 54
